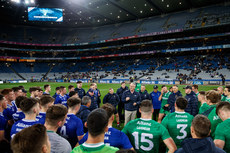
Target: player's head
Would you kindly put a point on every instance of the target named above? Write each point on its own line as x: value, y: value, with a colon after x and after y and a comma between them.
x: 8, y: 94
x: 171, y: 89
x: 18, y: 100
x: 201, y: 126
x: 32, y: 139
x: 34, y: 91
x: 132, y: 86
x: 110, y: 109
x: 46, y: 101
x: 123, y: 84
x: 201, y: 96
x: 175, y: 88
x: 142, y: 88
x: 57, y: 90
x: 86, y: 101
x: 30, y: 106
x: 17, y: 91
x: 181, y: 103
x: 223, y: 110
x: 56, y: 115
x: 188, y: 89
x: 3, y: 102
x: 70, y: 88
x: 213, y: 97
x: 40, y: 92
x: 138, y: 81
x: 95, y: 85
x: 79, y: 84
x: 164, y: 88
x: 111, y: 91
x: 155, y: 88
x: 74, y: 104
x: 73, y: 94
x: 195, y: 88
x: 146, y: 108
x: 220, y: 89
x: 227, y: 91
x: 97, y: 122
x: 47, y: 87
x: 62, y: 90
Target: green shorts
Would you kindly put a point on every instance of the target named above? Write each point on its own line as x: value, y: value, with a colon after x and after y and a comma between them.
x: 162, y: 111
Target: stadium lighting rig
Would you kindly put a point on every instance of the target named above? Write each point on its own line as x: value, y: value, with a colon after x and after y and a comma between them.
x: 27, y: 2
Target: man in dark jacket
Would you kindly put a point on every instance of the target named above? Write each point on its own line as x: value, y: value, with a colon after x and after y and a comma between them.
x: 191, y: 97
x: 200, y: 142
x: 94, y: 104
x: 80, y: 90
x: 84, y: 110
x: 172, y: 98
x: 113, y: 99
x: 132, y: 99
x: 120, y: 92
x: 144, y: 95
x: 156, y: 102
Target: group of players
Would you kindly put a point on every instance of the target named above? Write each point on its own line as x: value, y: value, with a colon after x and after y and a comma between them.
x: 75, y: 122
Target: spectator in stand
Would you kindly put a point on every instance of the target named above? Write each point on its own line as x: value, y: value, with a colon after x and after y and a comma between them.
x: 131, y: 98
x: 120, y: 92
x: 156, y: 102
x: 80, y: 90
x: 47, y: 89
x: 84, y: 111
x: 144, y: 95
x: 113, y: 99
x: 191, y: 97
x: 172, y: 98
x: 200, y: 141
x: 57, y: 92
x: 32, y: 139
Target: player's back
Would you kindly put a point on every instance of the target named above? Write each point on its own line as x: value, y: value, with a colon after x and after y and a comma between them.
x: 145, y: 134
x: 178, y: 125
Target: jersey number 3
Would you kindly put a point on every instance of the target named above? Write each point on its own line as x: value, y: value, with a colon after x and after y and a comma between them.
x: 144, y: 139
x: 182, y: 128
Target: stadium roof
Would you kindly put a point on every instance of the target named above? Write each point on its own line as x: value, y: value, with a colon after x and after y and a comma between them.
x: 87, y: 13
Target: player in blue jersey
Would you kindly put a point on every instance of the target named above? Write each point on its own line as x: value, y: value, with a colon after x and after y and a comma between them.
x: 80, y: 90
x: 70, y: 88
x: 19, y: 115
x: 62, y: 98
x: 34, y: 92
x: 47, y: 89
x: 57, y: 92
x: 45, y: 102
x: 113, y: 137
x: 30, y: 108
x: 72, y: 130
x: 3, y: 121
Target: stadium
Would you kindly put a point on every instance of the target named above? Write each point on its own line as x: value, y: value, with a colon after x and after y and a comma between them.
x: 155, y: 45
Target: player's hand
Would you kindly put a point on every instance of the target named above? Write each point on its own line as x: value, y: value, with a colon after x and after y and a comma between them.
x: 134, y: 104
x: 127, y: 98
x: 162, y: 91
x: 167, y: 105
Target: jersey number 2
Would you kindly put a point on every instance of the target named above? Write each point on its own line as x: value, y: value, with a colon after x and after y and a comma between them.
x: 144, y: 137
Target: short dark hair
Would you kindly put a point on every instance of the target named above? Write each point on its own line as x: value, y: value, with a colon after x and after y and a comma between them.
x: 201, y: 125
x: 19, y: 99
x: 195, y: 86
x: 62, y: 87
x: 109, y: 108
x: 97, y: 121
x: 163, y: 86
x: 55, y: 113
x: 78, y: 82
x: 70, y: 86
x: 123, y: 82
x: 46, y: 86
x: 146, y: 106
x: 30, y: 139
x: 27, y: 104
x: 45, y: 99
x: 16, y: 89
x: 181, y: 103
x: 6, y: 91
x: 72, y: 101
x: 57, y: 88
x: 222, y: 106
x: 32, y: 89
x: 72, y: 93
x: 22, y: 87
x: 213, y: 96
x: 126, y: 151
x: 86, y: 100
x: 1, y: 97
x: 228, y: 87
x: 202, y: 93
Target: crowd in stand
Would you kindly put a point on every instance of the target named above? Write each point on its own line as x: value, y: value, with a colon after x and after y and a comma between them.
x: 76, y: 122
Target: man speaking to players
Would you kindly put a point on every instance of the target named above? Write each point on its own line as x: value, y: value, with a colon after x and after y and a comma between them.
x: 131, y: 98
x: 120, y: 92
x: 145, y: 134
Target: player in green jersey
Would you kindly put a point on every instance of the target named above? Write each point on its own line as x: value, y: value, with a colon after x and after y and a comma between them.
x: 213, y: 98
x: 195, y: 90
x: 204, y: 106
x: 164, y: 102
x: 97, y: 124
x: 179, y: 122
x: 145, y: 134
x: 222, y: 135
x: 227, y: 93
x: 220, y: 89
x: 138, y: 86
